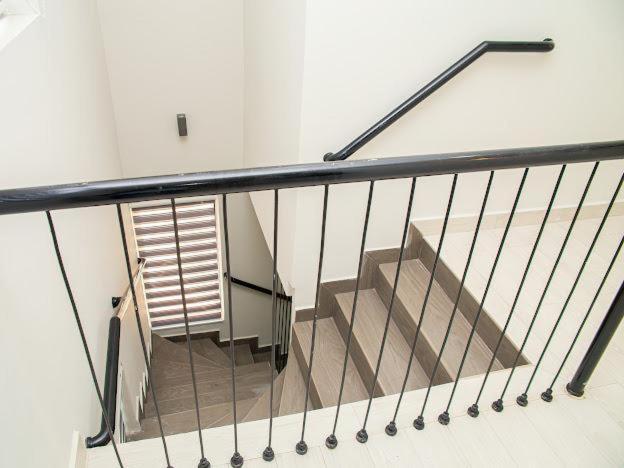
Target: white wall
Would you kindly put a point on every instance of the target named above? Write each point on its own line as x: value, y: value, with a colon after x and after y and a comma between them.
x: 132, y: 373
x: 274, y: 41
x: 56, y: 125
x: 187, y: 57
x: 362, y: 58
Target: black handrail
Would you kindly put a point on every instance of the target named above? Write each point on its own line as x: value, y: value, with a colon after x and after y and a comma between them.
x: 598, y: 346
x: 110, y: 385
x: 487, y: 46
x: 27, y: 200
x: 255, y: 287
x: 102, y: 438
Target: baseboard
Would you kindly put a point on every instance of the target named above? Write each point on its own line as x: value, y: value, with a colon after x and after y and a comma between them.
x: 429, y: 226
x: 372, y: 260
x: 78, y: 452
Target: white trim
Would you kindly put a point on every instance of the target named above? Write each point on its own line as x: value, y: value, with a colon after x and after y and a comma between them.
x: 217, y: 211
x: 78, y: 452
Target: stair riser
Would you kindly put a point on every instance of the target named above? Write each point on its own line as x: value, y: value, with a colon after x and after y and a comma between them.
x: 175, y: 377
x: 300, y: 353
x: 221, y: 394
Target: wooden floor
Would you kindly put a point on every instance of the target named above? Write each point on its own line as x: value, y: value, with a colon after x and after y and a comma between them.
x: 566, y: 432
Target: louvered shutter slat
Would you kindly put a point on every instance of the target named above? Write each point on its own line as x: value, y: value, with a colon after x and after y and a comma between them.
x: 155, y: 237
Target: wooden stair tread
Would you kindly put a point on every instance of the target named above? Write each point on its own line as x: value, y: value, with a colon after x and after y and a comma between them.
x: 209, y: 350
x: 242, y: 354
x: 214, y: 388
x: 293, y: 389
x: 186, y: 421
x: 166, y: 351
x: 261, y: 409
x: 328, y: 363
x: 411, y: 290
x: 368, y: 331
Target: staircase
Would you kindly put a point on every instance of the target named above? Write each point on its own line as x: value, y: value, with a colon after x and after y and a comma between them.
x: 172, y: 378
x: 374, y: 297
x: 174, y: 389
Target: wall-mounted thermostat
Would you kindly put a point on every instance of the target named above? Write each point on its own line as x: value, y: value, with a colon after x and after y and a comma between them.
x: 182, y: 130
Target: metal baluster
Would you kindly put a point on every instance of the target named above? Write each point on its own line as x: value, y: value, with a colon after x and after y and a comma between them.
x: 59, y: 259
x: 547, y: 394
x: 331, y: 441
x: 444, y: 416
x: 301, y: 446
x: 280, y: 328
x: 237, y: 460
x: 284, y: 329
x: 498, y: 404
x: 135, y: 303
x: 203, y: 462
x: 268, y: 453
x: 474, y: 409
x: 362, y: 435
x: 289, y: 322
x: 523, y: 396
x: 391, y: 428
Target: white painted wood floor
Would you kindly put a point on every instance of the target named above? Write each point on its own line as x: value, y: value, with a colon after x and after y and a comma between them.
x: 567, y: 432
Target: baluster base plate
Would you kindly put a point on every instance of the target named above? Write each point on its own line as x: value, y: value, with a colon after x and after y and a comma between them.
x: 237, y: 460
x: 522, y: 400
x: 547, y: 395
x: 391, y: 429
x: 419, y: 423
x: 268, y: 454
x: 301, y: 448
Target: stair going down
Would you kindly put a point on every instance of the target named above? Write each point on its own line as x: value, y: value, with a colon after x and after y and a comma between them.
x: 171, y: 371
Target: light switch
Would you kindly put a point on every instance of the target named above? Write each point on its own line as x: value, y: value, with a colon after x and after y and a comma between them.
x: 182, y: 130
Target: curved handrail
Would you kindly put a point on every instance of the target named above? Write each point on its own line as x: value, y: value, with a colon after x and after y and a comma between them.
x: 487, y: 46
x: 110, y: 385
x: 255, y: 287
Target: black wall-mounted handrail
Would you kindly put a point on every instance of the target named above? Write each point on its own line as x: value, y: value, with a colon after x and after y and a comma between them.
x: 255, y: 287
x: 110, y: 385
x: 112, y: 369
x: 487, y: 46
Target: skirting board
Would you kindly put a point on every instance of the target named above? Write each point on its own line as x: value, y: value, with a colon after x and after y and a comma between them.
x: 78, y: 452
x: 522, y: 218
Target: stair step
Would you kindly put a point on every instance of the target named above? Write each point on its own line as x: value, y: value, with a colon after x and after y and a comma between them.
x: 209, y: 350
x: 264, y: 356
x: 186, y: 421
x: 251, y: 382
x: 411, y: 291
x: 293, y: 390
x: 261, y: 409
x: 165, y: 351
x: 242, y: 354
x: 368, y: 331
x: 328, y: 362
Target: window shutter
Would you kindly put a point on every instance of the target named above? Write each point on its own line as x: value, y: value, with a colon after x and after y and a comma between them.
x: 155, y: 237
